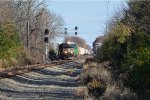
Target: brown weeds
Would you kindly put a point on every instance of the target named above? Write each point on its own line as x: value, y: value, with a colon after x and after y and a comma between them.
x: 101, y: 84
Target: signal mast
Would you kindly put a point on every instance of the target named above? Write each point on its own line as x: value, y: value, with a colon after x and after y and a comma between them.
x: 46, y: 40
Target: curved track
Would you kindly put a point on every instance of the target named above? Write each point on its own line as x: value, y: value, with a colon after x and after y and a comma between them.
x: 57, y: 82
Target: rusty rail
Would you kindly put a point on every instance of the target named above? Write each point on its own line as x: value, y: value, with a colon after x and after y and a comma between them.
x: 24, y: 69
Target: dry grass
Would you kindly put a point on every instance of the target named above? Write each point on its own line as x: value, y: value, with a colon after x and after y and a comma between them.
x: 26, y: 58
x: 90, y: 65
x: 81, y: 91
x: 114, y: 91
x: 5, y: 63
x: 13, y: 62
x: 1, y: 62
x: 89, y: 60
x: 97, y: 71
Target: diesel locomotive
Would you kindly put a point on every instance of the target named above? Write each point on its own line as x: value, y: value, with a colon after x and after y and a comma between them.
x: 65, y: 50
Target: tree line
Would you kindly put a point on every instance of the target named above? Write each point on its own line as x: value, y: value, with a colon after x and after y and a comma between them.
x: 22, y: 26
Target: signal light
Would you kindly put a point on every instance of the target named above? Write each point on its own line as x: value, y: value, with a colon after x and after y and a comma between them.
x: 76, y: 33
x: 46, y: 31
x: 76, y: 28
x: 46, y: 35
x: 46, y: 39
x: 65, y: 30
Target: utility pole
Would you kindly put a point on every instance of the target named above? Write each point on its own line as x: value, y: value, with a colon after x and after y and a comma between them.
x: 107, y: 15
x: 28, y: 26
x: 28, y: 30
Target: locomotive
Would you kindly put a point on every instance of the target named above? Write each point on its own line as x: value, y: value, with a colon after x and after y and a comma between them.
x: 65, y: 50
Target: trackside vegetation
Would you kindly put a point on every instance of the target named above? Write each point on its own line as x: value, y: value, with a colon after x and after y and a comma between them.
x: 127, y: 48
x: 10, y: 45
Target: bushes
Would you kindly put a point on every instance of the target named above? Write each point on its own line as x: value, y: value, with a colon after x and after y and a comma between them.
x: 5, y: 63
x: 12, y: 52
x: 25, y: 58
x: 10, y: 45
x: 131, y: 57
x: 96, y: 88
x: 101, y: 84
x: 137, y: 64
x: 96, y: 78
x: 9, y: 40
x: 127, y: 46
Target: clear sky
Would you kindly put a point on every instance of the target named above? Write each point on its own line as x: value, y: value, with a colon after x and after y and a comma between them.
x: 89, y: 15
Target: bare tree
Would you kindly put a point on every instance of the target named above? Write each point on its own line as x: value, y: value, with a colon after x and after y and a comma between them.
x: 31, y: 18
x: 6, y: 13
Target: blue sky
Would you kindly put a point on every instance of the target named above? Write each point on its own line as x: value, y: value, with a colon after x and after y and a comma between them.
x: 89, y: 15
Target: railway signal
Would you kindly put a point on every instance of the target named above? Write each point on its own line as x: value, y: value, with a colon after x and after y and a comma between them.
x: 46, y: 40
x: 70, y: 31
x: 76, y: 29
x: 66, y: 31
x: 46, y: 35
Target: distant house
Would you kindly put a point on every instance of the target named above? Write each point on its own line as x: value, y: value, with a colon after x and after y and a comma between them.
x: 97, y: 43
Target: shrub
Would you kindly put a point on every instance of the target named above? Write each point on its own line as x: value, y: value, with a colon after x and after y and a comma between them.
x: 95, y: 88
x: 25, y: 58
x: 96, y: 78
x: 10, y: 46
x: 101, y: 84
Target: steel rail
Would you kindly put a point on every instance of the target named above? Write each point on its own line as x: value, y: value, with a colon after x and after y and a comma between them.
x: 25, y: 69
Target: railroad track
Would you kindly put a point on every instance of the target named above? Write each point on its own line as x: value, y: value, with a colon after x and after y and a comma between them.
x: 24, y: 69
x: 58, y: 80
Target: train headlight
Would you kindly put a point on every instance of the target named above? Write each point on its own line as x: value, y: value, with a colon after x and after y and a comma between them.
x: 65, y: 52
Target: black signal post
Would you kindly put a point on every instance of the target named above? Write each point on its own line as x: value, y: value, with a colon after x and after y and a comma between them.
x: 46, y: 35
x: 46, y: 40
